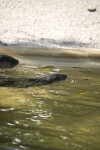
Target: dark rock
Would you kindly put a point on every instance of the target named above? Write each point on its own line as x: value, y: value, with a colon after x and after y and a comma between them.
x: 8, y: 61
x: 2, y: 44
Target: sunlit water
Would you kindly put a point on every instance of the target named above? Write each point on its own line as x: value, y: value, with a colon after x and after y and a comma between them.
x: 64, y: 115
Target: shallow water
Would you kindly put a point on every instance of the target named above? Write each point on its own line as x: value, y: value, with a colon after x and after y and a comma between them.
x: 60, y: 116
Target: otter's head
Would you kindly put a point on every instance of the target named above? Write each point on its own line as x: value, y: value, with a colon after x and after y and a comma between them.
x: 58, y: 77
x: 53, y: 77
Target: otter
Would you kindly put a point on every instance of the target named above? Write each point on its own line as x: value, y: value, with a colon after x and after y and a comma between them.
x: 10, y: 62
x: 29, y: 82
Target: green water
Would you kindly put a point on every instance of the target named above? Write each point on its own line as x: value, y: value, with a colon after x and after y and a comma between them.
x: 64, y: 115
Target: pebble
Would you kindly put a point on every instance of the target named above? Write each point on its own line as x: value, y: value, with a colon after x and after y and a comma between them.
x: 92, y: 9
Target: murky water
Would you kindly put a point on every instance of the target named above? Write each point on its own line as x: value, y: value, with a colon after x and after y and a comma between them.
x: 64, y: 115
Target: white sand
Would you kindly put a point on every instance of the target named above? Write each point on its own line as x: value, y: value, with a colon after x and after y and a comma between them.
x: 50, y: 23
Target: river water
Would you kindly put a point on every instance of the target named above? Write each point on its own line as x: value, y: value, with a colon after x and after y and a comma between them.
x: 60, y: 116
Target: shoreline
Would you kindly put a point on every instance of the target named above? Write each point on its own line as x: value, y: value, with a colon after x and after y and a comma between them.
x: 52, y: 52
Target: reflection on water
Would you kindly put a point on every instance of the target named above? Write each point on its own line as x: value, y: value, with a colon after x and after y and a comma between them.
x: 60, y: 116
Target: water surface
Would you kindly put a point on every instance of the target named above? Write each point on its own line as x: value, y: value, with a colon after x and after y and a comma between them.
x: 60, y: 116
